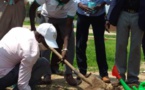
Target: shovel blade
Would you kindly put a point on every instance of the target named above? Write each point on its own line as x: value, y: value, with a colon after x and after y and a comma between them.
x: 97, y: 84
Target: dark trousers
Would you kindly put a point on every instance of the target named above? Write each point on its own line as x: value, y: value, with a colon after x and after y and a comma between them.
x: 60, y: 25
x: 143, y: 45
x: 40, y: 68
x: 98, y: 25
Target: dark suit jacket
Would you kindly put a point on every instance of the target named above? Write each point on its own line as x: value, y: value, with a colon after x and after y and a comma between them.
x: 115, y: 13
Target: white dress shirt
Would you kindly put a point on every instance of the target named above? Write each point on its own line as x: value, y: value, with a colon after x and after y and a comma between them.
x: 19, y: 46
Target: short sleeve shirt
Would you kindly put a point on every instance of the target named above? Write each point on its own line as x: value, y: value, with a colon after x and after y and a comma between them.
x: 57, y: 10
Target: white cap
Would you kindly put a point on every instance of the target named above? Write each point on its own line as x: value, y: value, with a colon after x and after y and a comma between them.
x: 49, y: 33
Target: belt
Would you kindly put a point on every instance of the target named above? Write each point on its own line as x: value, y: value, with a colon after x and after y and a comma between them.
x: 130, y: 10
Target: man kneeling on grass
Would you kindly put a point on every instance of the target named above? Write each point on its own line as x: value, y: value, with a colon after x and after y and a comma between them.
x: 19, y: 56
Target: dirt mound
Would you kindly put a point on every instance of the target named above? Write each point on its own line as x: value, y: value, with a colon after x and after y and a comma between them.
x: 58, y: 83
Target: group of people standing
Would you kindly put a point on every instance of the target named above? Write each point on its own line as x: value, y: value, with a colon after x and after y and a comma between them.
x: 126, y: 15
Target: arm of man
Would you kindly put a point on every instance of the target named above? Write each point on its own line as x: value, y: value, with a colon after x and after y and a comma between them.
x: 112, y: 4
x: 69, y: 25
x: 30, y: 54
x: 67, y: 33
x: 32, y: 14
x: 101, y: 5
x: 32, y: 11
x: 84, y: 7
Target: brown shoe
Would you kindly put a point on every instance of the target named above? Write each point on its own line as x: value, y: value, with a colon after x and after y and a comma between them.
x: 46, y: 79
x: 70, y: 80
x: 106, y: 79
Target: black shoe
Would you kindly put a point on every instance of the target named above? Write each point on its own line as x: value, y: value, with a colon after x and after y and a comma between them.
x: 46, y: 79
x: 70, y: 80
x: 135, y: 83
x: 79, y: 80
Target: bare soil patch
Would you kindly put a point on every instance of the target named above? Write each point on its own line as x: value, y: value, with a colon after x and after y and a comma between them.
x: 58, y: 82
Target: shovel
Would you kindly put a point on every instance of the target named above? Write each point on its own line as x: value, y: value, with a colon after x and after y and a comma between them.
x: 90, y: 82
x: 68, y: 64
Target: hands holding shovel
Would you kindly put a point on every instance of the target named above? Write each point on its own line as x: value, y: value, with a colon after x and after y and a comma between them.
x: 68, y: 64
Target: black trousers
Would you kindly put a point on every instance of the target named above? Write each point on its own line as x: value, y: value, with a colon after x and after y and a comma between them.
x: 98, y: 25
x: 143, y: 45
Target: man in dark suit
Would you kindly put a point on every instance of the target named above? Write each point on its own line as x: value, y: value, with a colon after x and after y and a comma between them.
x: 128, y: 17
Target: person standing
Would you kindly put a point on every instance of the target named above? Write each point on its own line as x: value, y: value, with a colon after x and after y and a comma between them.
x: 20, y: 64
x: 95, y: 16
x: 143, y: 46
x: 128, y: 17
x: 46, y: 53
x: 12, y: 15
x: 61, y: 14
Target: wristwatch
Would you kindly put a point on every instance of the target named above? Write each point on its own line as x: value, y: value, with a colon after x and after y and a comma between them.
x: 65, y: 49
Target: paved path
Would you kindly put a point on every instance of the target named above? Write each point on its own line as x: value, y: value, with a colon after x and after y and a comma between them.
x: 90, y: 31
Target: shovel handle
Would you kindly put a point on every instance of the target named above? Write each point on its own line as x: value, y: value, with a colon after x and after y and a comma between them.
x: 68, y: 64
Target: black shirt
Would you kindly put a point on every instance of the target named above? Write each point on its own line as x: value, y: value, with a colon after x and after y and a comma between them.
x: 132, y: 5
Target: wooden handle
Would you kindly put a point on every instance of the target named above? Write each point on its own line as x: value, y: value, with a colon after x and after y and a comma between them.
x: 68, y: 64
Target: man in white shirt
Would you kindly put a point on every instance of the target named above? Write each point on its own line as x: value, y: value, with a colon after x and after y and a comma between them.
x: 61, y: 14
x: 19, y: 56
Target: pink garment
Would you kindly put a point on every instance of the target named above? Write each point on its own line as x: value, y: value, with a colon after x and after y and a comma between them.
x: 19, y: 46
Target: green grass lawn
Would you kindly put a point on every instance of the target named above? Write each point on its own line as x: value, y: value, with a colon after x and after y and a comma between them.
x: 110, y: 44
x: 26, y: 22
x: 110, y: 52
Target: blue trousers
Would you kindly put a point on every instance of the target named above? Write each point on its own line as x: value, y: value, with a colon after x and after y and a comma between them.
x: 98, y: 25
x: 40, y: 68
